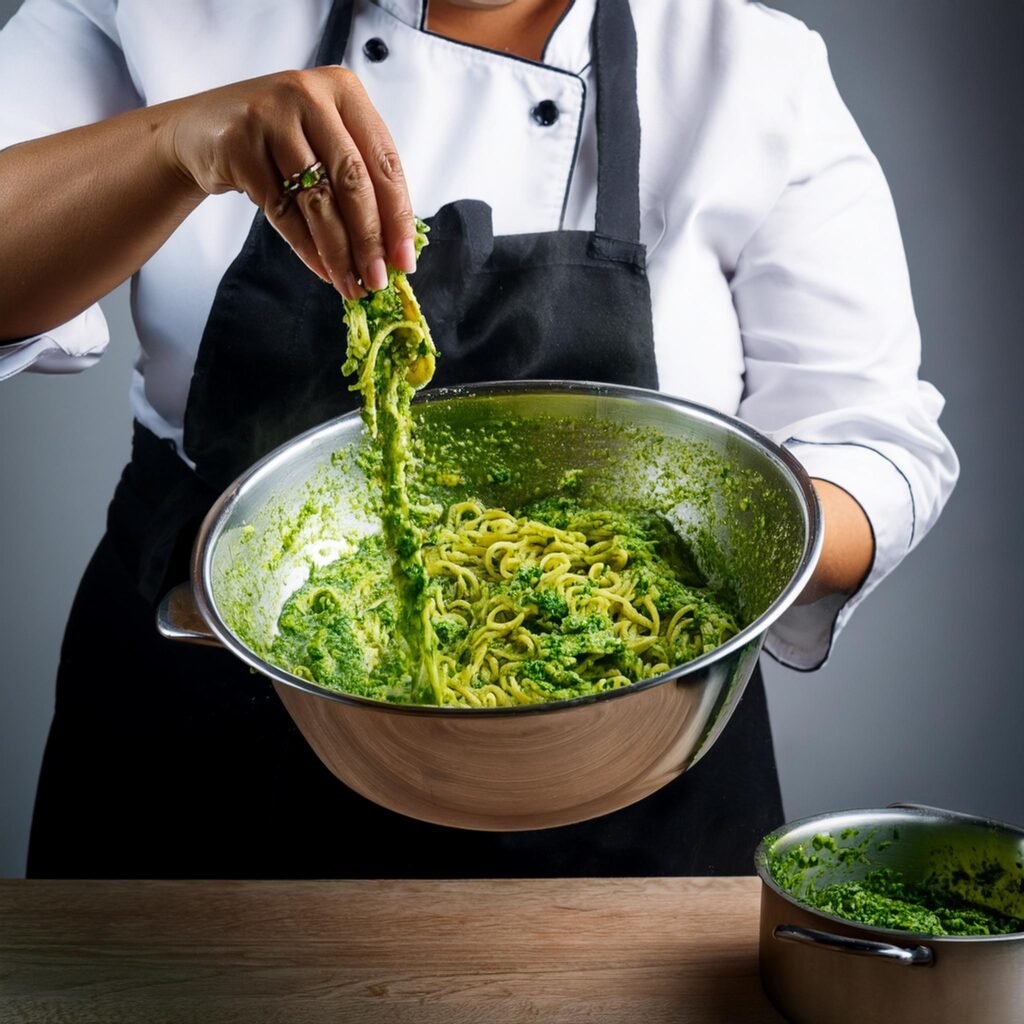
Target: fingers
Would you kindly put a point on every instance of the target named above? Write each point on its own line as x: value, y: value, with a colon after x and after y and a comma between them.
x: 345, y: 217
x: 259, y: 179
x: 312, y: 215
x: 364, y: 220
x: 254, y: 136
x: 287, y: 219
x: 382, y: 166
x: 332, y: 240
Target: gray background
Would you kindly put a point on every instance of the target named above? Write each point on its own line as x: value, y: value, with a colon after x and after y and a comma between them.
x: 922, y: 699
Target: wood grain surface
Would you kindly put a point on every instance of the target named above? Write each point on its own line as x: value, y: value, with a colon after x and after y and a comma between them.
x: 645, y: 951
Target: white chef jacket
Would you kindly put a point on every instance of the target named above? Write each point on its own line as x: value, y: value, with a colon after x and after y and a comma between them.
x: 778, y: 279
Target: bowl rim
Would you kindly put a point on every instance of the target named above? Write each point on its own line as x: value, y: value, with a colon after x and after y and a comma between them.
x: 798, y: 478
x: 898, y: 811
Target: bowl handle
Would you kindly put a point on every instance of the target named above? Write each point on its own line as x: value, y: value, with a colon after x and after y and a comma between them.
x: 917, y: 956
x: 177, y: 618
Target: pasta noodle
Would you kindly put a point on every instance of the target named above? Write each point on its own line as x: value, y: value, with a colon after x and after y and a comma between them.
x: 526, y: 611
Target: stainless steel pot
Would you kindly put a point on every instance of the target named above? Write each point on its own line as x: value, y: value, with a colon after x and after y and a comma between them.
x: 820, y: 969
x: 745, y: 505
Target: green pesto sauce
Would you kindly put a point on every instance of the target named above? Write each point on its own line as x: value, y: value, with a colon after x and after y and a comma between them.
x: 338, y: 629
x: 344, y: 628
x: 884, y: 897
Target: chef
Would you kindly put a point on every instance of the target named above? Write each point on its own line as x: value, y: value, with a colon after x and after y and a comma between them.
x: 652, y: 193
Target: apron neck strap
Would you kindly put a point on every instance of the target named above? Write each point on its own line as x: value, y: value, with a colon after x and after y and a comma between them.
x: 613, y: 49
x: 336, y: 33
x: 618, y: 122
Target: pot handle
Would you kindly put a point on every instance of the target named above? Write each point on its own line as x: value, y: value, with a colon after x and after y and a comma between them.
x: 918, y: 956
x: 178, y: 618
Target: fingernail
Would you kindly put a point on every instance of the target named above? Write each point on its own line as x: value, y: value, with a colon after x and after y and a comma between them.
x: 350, y: 286
x: 405, y: 256
x: 376, y: 275
x: 321, y: 271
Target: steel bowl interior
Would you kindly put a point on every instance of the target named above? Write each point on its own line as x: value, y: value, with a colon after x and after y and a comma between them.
x: 743, y: 504
x: 979, y: 860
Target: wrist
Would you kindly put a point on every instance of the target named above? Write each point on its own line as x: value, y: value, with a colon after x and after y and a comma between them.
x: 164, y: 122
x: 848, y: 547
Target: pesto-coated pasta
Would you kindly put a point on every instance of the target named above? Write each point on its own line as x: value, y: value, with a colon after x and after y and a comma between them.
x: 557, y: 603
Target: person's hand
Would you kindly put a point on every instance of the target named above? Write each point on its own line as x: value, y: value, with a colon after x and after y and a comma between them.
x: 254, y: 136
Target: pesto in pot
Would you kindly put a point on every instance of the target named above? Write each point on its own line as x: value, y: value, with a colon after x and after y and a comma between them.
x: 883, y: 897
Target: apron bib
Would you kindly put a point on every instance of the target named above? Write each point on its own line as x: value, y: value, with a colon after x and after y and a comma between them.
x: 559, y: 304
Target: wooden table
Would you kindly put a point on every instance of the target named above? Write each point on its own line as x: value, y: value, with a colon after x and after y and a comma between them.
x: 644, y: 951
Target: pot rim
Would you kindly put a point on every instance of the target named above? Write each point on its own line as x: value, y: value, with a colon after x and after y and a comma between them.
x: 902, y: 811
x: 798, y: 478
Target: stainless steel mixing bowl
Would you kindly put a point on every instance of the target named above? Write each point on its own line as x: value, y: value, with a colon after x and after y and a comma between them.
x: 744, y: 504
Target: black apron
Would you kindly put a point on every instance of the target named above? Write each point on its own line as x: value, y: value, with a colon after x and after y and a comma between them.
x: 177, y: 761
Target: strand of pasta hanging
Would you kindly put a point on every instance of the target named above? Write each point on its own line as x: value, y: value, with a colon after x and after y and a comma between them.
x: 391, y: 352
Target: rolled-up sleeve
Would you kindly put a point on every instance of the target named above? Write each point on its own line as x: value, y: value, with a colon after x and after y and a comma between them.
x: 61, y: 66
x: 832, y: 350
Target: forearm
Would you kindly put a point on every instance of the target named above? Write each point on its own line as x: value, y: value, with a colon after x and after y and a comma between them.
x: 82, y: 211
x: 848, y: 547
x: 85, y: 209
